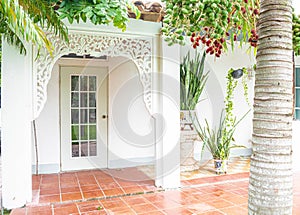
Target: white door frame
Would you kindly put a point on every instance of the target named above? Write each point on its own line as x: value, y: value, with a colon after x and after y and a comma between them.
x: 70, y: 162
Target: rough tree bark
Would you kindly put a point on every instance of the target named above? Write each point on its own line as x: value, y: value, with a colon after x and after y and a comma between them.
x: 271, y: 175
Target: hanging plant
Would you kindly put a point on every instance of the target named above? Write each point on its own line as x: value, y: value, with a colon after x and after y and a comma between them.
x: 232, y: 82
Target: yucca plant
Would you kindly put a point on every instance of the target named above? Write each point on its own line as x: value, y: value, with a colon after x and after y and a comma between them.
x: 192, y: 81
x: 218, y: 140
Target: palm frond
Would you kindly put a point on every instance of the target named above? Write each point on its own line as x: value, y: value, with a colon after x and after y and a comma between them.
x: 42, y: 13
x: 25, y: 20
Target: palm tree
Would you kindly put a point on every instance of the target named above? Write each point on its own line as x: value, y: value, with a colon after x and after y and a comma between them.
x: 270, y: 183
x: 25, y: 20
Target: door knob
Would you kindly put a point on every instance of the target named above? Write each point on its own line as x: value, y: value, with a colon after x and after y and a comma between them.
x: 104, y: 116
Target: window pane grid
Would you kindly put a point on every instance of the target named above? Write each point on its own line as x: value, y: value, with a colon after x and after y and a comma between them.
x: 83, y: 115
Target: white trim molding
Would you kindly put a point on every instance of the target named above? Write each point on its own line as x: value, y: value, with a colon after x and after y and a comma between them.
x: 138, y: 49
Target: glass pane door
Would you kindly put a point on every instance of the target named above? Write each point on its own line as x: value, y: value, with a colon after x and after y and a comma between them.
x: 83, y: 99
x: 83, y: 115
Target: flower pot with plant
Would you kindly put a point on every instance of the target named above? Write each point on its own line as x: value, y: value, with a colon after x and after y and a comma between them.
x: 192, y: 83
x: 192, y: 80
x: 219, y: 140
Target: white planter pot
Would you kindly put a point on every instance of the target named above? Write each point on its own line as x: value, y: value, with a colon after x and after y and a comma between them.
x: 188, y: 136
x: 220, y: 166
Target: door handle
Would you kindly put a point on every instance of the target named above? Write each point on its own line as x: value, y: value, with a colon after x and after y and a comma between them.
x: 104, y: 116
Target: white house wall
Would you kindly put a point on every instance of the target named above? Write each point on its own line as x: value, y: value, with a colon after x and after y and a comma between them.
x: 16, y: 127
x: 212, y: 100
x: 123, y: 150
x: 131, y: 134
x: 131, y: 151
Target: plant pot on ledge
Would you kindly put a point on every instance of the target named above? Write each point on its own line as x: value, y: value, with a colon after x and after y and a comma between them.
x: 188, y: 135
x: 192, y: 83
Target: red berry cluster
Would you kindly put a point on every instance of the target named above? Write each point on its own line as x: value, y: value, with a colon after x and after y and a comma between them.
x: 214, y: 46
x: 253, y: 38
x: 195, y: 40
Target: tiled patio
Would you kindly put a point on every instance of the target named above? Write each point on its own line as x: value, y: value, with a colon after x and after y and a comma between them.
x: 131, y: 191
x: 85, y: 185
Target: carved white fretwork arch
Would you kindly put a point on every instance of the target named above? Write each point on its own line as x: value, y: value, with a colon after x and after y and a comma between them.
x: 139, y: 50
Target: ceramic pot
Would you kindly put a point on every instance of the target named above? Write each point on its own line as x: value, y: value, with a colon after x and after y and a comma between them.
x: 220, y: 166
x: 237, y: 73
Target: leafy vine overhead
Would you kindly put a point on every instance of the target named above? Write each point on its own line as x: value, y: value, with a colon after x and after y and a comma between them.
x: 211, y: 22
x: 21, y: 21
x: 97, y: 11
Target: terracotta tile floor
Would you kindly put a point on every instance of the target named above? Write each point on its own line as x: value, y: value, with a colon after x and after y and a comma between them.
x: 212, y: 195
x: 86, y: 185
x: 131, y: 191
x: 235, y: 165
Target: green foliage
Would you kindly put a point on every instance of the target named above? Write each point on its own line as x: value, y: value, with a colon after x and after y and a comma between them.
x: 5, y: 211
x: 230, y: 87
x: 211, y: 22
x: 192, y: 81
x: 219, y: 140
x: 22, y: 20
x: 27, y: 20
x: 245, y: 85
x: 296, y: 34
x: 0, y: 59
x: 97, y: 11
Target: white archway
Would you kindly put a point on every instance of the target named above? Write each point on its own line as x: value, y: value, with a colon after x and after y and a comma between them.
x: 139, y: 50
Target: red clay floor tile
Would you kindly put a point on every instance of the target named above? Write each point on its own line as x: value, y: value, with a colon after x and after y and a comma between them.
x: 93, y: 194
x: 112, y: 203
x: 70, y: 189
x: 40, y: 210
x: 64, y: 209
x: 18, y: 211
x: 181, y: 211
x: 71, y: 196
x: 210, y: 195
x: 135, y: 200
x: 234, y: 210
x: 89, y: 206
x: 211, y: 213
x: 141, y: 208
x: 49, y: 198
x: 152, y: 213
x: 53, y: 191
x: 113, y: 192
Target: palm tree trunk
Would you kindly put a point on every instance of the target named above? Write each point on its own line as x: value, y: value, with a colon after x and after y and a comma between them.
x: 270, y: 183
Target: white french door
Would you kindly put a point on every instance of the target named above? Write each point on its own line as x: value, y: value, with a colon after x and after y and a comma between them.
x: 83, y: 99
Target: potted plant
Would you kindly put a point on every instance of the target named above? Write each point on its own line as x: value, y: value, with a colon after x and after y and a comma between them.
x: 192, y: 83
x: 219, y: 140
x: 192, y: 80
